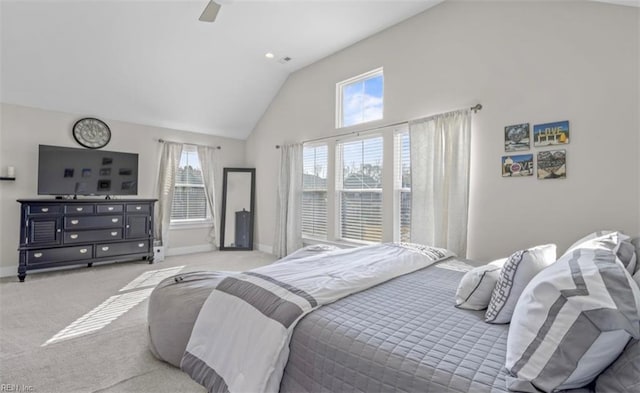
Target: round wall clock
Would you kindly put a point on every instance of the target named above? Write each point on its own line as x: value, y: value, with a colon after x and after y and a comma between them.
x: 91, y: 133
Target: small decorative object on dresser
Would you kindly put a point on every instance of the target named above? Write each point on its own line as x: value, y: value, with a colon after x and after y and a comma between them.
x: 56, y: 233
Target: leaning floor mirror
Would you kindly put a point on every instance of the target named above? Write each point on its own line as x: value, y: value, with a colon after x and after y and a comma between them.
x: 238, y: 189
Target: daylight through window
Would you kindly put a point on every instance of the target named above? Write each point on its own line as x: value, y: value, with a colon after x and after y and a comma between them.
x: 359, y: 185
x: 360, y: 99
x: 314, y: 192
x: 189, y: 199
x: 403, y: 186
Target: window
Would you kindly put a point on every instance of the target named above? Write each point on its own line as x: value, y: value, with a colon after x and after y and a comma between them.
x: 359, y: 187
x: 402, y: 186
x: 189, y: 199
x: 360, y: 99
x: 314, y: 192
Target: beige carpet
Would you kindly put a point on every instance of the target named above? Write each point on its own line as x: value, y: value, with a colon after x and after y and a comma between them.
x: 112, y: 359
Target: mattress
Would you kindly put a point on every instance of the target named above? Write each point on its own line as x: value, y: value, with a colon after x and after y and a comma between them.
x: 404, y: 335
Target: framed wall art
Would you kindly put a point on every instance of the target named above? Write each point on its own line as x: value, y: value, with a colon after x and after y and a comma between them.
x: 552, y: 164
x: 516, y: 137
x: 517, y: 165
x: 551, y: 134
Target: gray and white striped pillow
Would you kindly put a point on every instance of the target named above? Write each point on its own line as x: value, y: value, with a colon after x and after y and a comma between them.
x: 572, y: 321
x: 476, y: 286
x: 516, y: 273
x: 618, y: 242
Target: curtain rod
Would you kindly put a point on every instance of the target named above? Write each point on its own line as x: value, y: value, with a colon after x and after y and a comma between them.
x: 474, y: 108
x: 183, y: 143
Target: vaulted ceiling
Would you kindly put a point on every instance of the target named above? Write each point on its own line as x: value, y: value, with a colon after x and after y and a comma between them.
x: 154, y: 63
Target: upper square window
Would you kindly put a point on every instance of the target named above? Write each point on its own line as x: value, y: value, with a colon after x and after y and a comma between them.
x: 360, y: 99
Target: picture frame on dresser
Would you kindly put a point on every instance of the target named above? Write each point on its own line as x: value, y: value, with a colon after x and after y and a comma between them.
x: 56, y: 233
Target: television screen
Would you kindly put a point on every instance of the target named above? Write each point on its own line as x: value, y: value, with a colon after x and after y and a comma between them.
x: 71, y: 171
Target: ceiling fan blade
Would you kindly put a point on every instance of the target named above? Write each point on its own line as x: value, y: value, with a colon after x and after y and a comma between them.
x: 210, y: 12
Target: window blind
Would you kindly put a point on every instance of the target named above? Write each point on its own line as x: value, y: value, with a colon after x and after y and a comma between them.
x: 189, y: 199
x: 402, y: 183
x: 314, y: 191
x: 359, y: 186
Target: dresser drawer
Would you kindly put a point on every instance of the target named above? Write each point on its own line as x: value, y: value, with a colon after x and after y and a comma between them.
x: 35, y: 257
x: 109, y: 209
x: 97, y: 235
x: 107, y: 250
x: 138, y: 208
x: 44, y: 209
x: 79, y: 209
x: 78, y: 222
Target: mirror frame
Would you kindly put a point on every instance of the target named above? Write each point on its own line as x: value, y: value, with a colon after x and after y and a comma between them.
x: 226, y: 172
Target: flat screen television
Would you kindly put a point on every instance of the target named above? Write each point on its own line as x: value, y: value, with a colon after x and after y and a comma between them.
x: 71, y: 171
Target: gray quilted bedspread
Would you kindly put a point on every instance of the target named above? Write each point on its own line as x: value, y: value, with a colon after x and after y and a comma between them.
x: 401, y: 336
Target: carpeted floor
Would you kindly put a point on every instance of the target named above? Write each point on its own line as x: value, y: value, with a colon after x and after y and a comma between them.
x: 114, y: 358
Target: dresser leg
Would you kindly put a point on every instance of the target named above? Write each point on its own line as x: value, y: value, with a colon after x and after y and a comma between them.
x: 150, y: 260
x: 22, y: 276
x: 89, y: 264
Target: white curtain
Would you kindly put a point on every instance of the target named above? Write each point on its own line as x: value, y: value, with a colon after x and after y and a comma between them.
x: 169, y: 160
x: 288, y: 209
x: 208, y: 163
x: 440, y: 155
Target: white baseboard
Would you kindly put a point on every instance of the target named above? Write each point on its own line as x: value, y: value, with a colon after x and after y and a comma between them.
x: 172, y: 251
x: 265, y: 248
x: 8, y: 271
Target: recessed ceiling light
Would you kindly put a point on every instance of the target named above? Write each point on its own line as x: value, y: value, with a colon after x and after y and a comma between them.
x: 269, y: 55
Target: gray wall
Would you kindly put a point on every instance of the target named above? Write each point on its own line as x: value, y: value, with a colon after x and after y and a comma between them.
x: 22, y: 129
x: 530, y: 62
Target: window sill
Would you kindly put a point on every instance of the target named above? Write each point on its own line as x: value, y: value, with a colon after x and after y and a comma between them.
x: 307, y: 241
x: 178, y: 225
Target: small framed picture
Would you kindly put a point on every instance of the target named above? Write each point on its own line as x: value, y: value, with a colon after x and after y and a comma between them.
x: 125, y: 172
x: 105, y: 171
x: 107, y: 160
x: 517, y: 165
x: 552, y: 164
x: 516, y: 137
x: 68, y: 172
x: 86, y: 172
x: 551, y: 134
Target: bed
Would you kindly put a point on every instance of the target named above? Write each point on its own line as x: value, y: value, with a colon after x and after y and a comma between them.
x: 403, y: 335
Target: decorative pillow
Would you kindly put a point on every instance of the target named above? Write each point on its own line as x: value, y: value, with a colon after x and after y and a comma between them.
x: 571, y: 322
x: 591, y: 236
x: 516, y: 273
x: 618, y: 242
x: 476, y: 286
x: 623, y: 376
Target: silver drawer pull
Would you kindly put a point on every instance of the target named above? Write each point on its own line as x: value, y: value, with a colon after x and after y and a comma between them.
x: 140, y: 244
x: 37, y: 255
x: 73, y: 236
x: 83, y: 251
x: 105, y: 248
x: 114, y: 233
x: 110, y: 208
x: 44, y: 209
x: 74, y: 222
x: 79, y: 209
x: 138, y: 207
x: 114, y: 220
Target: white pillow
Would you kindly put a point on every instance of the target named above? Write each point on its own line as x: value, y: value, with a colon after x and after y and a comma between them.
x: 476, y: 286
x: 516, y: 273
x: 571, y: 322
x: 586, y: 238
x: 618, y: 242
